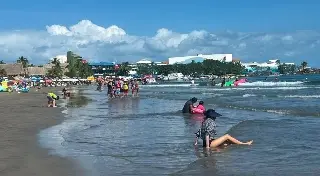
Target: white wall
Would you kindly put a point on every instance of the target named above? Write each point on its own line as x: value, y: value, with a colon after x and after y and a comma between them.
x: 173, y: 60
x: 219, y: 57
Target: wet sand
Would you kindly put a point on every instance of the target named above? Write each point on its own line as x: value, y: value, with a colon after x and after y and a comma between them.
x: 22, y: 116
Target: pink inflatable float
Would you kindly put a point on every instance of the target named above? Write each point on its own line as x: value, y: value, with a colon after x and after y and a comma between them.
x: 236, y: 83
x: 197, y: 111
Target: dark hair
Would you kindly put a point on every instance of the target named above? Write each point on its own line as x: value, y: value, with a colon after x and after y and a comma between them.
x: 194, y: 99
x: 210, y: 113
x: 201, y: 102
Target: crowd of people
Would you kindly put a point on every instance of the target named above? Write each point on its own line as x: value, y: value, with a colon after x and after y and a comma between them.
x: 207, y: 132
x: 120, y: 87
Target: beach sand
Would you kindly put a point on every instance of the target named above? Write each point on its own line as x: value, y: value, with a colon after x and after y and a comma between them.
x: 22, y: 116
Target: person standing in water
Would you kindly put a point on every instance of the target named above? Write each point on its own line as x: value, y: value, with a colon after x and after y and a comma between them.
x: 136, y: 87
x: 223, y: 82
x: 188, y: 106
x: 125, y: 89
x: 208, y: 131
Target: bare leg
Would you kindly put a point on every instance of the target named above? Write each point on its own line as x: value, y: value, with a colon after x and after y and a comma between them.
x: 224, y: 138
x: 54, y: 103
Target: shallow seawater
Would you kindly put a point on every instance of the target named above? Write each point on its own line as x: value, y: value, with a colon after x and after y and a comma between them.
x: 148, y: 135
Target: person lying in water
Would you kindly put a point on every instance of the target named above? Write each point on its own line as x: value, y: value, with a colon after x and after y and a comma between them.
x: 208, y: 131
x: 199, y: 109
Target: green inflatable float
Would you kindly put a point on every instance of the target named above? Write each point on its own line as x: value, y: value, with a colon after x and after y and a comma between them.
x: 229, y: 83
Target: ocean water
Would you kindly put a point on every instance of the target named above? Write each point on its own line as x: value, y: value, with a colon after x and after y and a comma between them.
x: 148, y: 136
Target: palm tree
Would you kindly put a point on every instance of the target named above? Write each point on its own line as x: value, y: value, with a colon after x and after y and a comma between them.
x: 2, y: 62
x: 304, y: 64
x: 56, y: 70
x: 25, y: 62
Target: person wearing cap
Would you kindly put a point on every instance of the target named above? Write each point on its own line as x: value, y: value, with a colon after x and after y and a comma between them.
x: 208, y: 131
x: 188, y: 106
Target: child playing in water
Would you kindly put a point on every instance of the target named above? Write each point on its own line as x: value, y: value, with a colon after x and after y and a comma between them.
x: 199, y: 109
x: 52, y: 99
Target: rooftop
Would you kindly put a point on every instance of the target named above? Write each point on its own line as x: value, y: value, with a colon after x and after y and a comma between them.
x: 102, y: 64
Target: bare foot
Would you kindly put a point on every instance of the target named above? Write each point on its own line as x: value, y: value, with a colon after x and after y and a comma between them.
x: 250, y: 142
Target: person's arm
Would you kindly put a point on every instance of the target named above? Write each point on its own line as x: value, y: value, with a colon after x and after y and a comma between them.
x: 191, y: 107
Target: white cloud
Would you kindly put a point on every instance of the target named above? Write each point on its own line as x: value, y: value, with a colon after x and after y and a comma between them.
x: 115, y: 44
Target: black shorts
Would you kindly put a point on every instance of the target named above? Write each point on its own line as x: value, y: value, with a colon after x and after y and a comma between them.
x: 50, y: 98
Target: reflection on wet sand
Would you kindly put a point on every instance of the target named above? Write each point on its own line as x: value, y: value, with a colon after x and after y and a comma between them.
x: 204, y: 165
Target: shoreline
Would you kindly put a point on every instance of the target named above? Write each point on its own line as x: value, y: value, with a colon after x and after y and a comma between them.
x: 23, y: 116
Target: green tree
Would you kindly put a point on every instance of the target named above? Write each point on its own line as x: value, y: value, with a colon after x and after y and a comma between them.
x: 124, y: 69
x: 2, y: 62
x: 304, y: 64
x: 25, y: 62
x: 144, y: 69
x: 164, y: 69
x: 56, y: 70
x: 83, y: 69
x: 207, y: 67
x: 286, y: 68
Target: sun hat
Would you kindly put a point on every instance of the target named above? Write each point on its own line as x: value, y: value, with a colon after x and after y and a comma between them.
x: 210, y: 113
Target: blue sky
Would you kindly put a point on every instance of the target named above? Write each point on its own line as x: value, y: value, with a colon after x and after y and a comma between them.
x: 143, y: 18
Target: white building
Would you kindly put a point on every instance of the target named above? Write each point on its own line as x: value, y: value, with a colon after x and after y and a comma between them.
x: 60, y: 58
x: 219, y: 57
x: 144, y: 61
